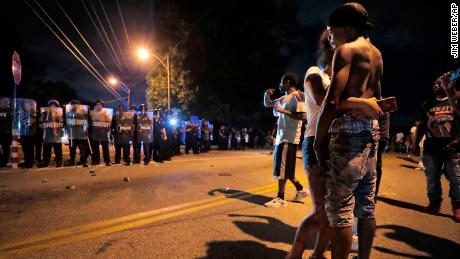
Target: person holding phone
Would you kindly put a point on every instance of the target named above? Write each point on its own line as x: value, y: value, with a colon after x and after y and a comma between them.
x: 345, y: 145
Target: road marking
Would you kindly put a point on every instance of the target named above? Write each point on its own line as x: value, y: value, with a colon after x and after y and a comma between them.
x: 26, y: 245
x: 212, y: 158
x: 130, y: 225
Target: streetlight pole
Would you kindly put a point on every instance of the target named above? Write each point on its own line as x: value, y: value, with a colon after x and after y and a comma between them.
x: 169, y: 79
x: 129, y: 95
x: 142, y: 53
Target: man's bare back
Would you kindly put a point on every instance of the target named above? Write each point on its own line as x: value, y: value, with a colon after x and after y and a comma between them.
x: 364, y: 66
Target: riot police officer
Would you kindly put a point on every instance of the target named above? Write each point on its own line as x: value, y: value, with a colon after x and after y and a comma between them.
x: 6, y: 121
x: 52, y: 123
x: 124, y: 134
x: 101, y: 119
x: 143, y: 134
x: 77, y: 130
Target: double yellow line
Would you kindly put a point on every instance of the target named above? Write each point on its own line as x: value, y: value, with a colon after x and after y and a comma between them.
x: 79, y: 233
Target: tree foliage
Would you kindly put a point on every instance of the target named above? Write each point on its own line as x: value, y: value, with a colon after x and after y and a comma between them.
x: 232, y: 51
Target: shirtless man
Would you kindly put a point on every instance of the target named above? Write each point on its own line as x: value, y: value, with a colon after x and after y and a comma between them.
x: 351, y: 154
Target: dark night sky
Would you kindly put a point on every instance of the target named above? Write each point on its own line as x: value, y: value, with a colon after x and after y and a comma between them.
x: 413, y: 37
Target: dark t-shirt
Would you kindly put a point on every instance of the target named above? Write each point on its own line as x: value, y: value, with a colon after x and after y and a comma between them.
x: 441, y: 122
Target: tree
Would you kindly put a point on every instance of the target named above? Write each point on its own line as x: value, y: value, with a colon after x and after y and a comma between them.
x: 234, y: 50
x: 182, y: 95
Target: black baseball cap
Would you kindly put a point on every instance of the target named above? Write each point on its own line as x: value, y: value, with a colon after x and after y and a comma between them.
x: 350, y: 14
x: 99, y: 101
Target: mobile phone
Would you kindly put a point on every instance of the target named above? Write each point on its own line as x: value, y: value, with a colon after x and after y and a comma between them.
x: 388, y: 104
x: 455, y: 75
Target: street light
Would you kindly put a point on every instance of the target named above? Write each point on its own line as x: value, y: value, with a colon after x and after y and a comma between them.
x: 143, y: 54
x: 114, y: 81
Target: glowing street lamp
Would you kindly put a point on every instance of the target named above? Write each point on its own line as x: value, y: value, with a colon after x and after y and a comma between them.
x: 113, y: 81
x: 143, y: 54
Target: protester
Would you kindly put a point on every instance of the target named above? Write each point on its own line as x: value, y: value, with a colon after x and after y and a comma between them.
x: 351, y: 151
x: 441, y: 149
x: 384, y: 125
x: 287, y: 136
x: 315, y: 226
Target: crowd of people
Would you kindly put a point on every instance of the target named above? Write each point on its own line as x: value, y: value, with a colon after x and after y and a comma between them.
x: 239, y: 139
x: 346, y: 132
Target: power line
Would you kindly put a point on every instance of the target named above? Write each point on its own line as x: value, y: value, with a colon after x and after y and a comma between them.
x: 105, y: 33
x: 83, y: 38
x: 113, y: 33
x: 123, y: 22
x: 100, y: 35
x: 92, y: 70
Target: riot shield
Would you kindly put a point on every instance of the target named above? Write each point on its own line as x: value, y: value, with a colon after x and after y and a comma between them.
x: 26, y: 116
x: 76, y: 121
x: 52, y: 122
x: 101, y: 122
x: 125, y: 127
x: 144, y: 129
x: 6, y: 116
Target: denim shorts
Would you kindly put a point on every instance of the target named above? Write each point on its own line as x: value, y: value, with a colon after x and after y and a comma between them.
x: 351, y: 178
x: 308, y: 153
x: 315, y: 175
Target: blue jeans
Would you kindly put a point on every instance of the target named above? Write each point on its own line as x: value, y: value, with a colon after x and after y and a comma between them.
x: 434, y: 158
x: 351, y: 178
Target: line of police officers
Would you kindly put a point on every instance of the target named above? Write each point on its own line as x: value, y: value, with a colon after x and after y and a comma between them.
x: 88, y: 130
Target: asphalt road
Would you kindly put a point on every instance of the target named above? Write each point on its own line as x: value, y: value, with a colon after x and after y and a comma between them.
x: 197, y: 206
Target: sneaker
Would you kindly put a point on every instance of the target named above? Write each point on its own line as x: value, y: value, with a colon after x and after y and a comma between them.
x: 354, y: 244
x: 300, y: 195
x: 108, y: 164
x: 276, y: 203
x: 456, y: 211
x: 433, y: 208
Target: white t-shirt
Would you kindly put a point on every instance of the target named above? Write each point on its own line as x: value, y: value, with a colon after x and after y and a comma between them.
x: 312, y: 107
x: 288, y: 129
x: 399, y: 137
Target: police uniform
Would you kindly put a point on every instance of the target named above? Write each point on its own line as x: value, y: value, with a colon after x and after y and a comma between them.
x: 100, y: 132
x: 52, y: 123
x: 78, y: 134
x: 6, y: 121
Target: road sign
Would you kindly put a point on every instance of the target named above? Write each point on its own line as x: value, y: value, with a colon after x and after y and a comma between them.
x: 17, y: 68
